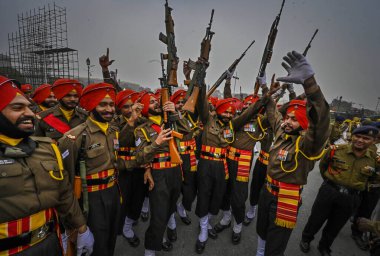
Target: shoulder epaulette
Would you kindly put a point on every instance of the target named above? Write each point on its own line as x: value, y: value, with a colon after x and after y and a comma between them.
x: 41, y: 139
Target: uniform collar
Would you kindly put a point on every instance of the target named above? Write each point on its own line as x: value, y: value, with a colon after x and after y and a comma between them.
x: 156, y: 119
x: 96, y: 126
x: 9, y: 141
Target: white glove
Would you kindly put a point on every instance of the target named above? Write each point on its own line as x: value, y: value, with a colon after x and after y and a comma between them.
x: 298, y: 68
x: 64, y: 242
x: 229, y: 74
x: 262, y: 80
x: 85, y: 243
x: 290, y: 88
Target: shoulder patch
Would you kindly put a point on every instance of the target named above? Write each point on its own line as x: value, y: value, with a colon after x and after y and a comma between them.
x: 71, y: 137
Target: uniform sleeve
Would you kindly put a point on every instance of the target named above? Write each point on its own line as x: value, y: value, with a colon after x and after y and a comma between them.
x: 324, y: 163
x: 318, y: 114
x: 69, y: 150
x: 145, y: 150
x: 108, y: 79
x: 38, y: 129
x: 69, y: 209
x: 247, y: 115
x: 227, y: 89
x: 203, y: 107
x: 274, y: 117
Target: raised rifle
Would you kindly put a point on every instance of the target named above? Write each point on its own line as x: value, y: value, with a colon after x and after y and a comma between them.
x: 175, y: 157
x: 199, y: 69
x: 231, y: 69
x: 309, y: 44
x: 170, y: 81
x: 268, y: 51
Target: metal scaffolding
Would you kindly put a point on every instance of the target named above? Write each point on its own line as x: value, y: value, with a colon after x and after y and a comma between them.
x: 39, y: 49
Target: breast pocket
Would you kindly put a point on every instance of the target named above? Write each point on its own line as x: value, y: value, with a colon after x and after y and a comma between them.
x: 51, y: 167
x: 11, y: 180
x: 339, y: 165
x: 97, y: 155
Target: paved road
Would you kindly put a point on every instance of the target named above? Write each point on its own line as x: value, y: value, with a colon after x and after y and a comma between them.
x: 187, y: 235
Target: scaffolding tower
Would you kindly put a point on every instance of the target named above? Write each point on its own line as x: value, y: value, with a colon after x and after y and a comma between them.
x: 39, y: 49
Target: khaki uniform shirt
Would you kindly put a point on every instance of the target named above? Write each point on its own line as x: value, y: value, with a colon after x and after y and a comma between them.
x: 101, y: 149
x: 45, y: 130
x: 28, y: 188
x: 311, y: 143
x: 346, y: 169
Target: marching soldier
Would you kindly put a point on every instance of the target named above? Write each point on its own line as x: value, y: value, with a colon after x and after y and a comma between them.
x: 98, y: 141
x: 218, y: 132
x: 44, y: 98
x: 131, y: 176
x: 299, y: 141
x: 27, y: 89
x: 55, y: 121
x: 346, y: 170
x: 153, y: 149
x: 34, y: 185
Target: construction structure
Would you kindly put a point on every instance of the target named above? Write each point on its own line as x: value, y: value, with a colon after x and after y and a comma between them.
x: 39, y: 50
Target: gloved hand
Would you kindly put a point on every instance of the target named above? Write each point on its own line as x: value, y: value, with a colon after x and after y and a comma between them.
x: 290, y: 88
x: 64, y: 242
x: 365, y: 225
x: 85, y: 243
x: 298, y: 68
x: 262, y: 80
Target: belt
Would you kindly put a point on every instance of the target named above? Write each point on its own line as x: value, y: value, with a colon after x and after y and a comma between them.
x: 101, y: 181
x: 214, y: 155
x: 161, y: 159
x: 186, y: 146
x: 28, y: 238
x: 342, y: 189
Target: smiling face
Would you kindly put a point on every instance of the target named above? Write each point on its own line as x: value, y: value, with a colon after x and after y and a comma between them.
x: 106, y: 109
x: 290, y: 124
x: 19, y: 114
x: 154, y: 106
x: 70, y: 100
x: 362, y: 142
x: 50, y: 101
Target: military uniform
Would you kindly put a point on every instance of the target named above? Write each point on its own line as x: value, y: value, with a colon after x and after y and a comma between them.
x: 34, y: 188
x: 345, y: 176
x: 52, y: 123
x: 101, y: 174
x: 291, y: 158
x: 167, y: 181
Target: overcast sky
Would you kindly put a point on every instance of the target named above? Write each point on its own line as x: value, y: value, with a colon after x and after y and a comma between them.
x: 345, y: 54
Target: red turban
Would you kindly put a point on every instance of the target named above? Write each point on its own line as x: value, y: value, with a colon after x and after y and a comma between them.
x: 26, y: 88
x: 145, y: 100
x: 8, y: 91
x: 124, y: 96
x: 63, y: 86
x: 250, y: 99
x: 226, y: 104
x: 41, y: 93
x: 213, y: 100
x: 95, y: 93
x: 158, y: 93
x: 298, y: 107
x: 179, y: 94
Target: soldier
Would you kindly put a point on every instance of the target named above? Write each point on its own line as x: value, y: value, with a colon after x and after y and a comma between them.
x: 101, y: 199
x: 34, y: 185
x: 239, y: 159
x: 218, y: 133
x: 54, y: 122
x: 153, y: 149
x: 299, y: 141
x: 27, y: 89
x: 336, y: 130
x: 345, y: 170
x: 131, y: 176
x: 189, y: 126
x: 44, y: 98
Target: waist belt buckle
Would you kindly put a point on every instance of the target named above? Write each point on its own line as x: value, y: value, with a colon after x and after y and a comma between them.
x: 343, y: 190
x: 112, y: 178
x: 217, y: 155
x: 182, y: 148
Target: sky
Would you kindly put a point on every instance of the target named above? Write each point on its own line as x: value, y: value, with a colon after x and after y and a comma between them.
x: 344, y: 55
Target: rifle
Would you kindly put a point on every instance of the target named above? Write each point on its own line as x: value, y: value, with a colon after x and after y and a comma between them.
x: 229, y: 70
x: 309, y: 44
x: 175, y: 157
x: 80, y: 188
x: 268, y: 51
x: 169, y: 40
x: 170, y: 81
x: 200, y: 69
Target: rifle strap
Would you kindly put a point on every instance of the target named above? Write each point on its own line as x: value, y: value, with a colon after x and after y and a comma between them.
x: 57, y: 124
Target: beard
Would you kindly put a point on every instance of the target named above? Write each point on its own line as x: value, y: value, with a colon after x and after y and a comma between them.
x: 65, y: 106
x: 224, y: 120
x: 293, y: 131
x: 155, y: 112
x: 49, y: 104
x: 13, y: 130
x: 98, y: 116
